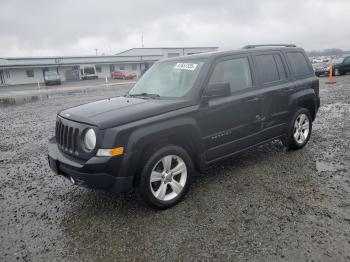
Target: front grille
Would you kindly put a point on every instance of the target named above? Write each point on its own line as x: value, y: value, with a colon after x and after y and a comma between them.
x: 67, y: 137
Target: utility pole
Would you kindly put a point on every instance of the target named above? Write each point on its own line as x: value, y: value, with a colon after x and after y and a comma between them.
x: 142, y: 39
x: 96, y: 50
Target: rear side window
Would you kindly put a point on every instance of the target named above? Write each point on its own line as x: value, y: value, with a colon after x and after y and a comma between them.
x: 270, y: 68
x: 299, y: 64
x: 236, y: 72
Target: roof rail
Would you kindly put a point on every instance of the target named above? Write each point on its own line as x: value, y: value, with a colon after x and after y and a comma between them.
x: 266, y: 45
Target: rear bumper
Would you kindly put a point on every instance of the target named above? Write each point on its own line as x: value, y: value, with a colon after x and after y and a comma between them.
x: 88, y: 174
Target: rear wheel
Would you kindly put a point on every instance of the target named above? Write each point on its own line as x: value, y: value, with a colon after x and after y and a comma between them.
x: 299, y: 130
x: 166, y: 177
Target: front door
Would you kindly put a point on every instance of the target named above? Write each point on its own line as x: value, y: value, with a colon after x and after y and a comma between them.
x: 230, y: 124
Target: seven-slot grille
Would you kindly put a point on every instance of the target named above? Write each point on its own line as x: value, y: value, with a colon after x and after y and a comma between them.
x: 67, y: 137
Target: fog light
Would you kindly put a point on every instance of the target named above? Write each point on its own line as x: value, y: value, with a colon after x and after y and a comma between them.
x: 72, y: 180
x: 110, y: 152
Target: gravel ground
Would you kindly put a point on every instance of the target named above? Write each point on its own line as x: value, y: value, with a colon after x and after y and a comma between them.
x: 265, y: 205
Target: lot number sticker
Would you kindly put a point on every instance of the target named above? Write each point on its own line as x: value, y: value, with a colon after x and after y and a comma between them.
x: 186, y: 66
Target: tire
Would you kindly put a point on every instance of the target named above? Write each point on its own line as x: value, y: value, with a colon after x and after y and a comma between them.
x: 337, y: 72
x: 299, y: 129
x: 171, y: 169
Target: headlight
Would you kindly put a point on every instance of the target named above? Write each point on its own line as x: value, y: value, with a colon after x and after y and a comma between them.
x: 90, y: 139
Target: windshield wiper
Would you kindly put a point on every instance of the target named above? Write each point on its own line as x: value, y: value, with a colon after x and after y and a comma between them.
x: 145, y: 95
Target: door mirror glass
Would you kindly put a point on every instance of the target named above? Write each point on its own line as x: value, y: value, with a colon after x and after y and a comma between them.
x: 217, y: 90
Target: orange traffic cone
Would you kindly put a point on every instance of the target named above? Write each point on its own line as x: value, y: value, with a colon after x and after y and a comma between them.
x: 330, y: 82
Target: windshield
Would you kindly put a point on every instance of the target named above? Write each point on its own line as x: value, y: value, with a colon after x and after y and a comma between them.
x: 89, y: 70
x: 168, y: 79
x: 338, y: 60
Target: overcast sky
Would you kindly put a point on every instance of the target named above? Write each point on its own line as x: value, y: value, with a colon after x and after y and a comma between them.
x: 77, y: 27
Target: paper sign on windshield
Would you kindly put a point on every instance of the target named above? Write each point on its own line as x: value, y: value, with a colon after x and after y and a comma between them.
x: 186, y: 66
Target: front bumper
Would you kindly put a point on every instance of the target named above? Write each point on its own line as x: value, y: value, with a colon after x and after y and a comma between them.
x: 94, y: 173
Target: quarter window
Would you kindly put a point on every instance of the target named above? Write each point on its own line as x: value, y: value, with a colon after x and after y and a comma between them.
x: 299, y: 64
x: 236, y: 72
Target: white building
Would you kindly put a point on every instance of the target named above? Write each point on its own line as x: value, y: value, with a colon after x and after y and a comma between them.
x: 27, y: 70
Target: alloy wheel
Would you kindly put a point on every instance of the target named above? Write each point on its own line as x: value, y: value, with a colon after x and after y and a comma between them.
x: 301, y: 128
x: 168, y: 177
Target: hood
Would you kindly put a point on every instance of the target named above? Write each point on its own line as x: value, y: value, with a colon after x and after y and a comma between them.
x: 120, y: 110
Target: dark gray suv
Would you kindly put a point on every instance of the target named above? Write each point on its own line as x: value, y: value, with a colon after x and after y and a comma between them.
x: 183, y: 115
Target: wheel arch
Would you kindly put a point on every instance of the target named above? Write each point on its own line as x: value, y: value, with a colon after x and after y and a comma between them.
x: 306, y: 99
x: 144, y: 141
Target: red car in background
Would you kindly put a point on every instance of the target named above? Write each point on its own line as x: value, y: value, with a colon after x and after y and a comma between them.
x: 123, y: 75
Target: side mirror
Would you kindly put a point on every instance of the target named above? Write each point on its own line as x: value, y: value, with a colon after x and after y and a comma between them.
x: 217, y: 90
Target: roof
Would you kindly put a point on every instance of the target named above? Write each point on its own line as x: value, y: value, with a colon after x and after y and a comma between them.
x: 157, y: 50
x: 19, y: 62
x: 230, y: 52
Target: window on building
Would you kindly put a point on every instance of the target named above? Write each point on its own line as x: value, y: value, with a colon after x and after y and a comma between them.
x: 173, y: 55
x: 98, y: 69
x: 270, y: 68
x: 122, y: 67
x: 236, y: 72
x: 299, y: 64
x: 134, y: 67
x: 30, y: 73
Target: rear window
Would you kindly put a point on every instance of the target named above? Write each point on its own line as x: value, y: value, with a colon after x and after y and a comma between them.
x: 299, y: 64
x: 270, y: 68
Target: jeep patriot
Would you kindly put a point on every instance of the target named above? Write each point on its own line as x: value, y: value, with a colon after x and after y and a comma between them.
x: 183, y: 115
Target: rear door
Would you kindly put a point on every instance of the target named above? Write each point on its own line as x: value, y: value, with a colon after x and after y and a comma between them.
x: 276, y: 86
x: 230, y: 124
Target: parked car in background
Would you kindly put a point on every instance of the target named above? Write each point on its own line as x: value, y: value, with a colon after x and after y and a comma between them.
x: 321, y: 69
x: 185, y: 114
x: 341, y: 66
x: 88, y: 72
x: 52, y: 78
x: 123, y: 75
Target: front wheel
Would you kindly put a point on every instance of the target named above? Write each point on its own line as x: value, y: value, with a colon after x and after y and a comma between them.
x: 166, y: 177
x: 299, y: 130
x: 337, y: 72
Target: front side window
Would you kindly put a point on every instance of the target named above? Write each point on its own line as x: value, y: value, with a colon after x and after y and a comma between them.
x: 169, y: 79
x: 236, y: 72
x: 347, y: 61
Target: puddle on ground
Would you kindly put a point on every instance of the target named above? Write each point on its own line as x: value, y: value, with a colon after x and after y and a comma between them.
x: 12, y: 101
x: 20, y: 100
x: 323, y: 166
